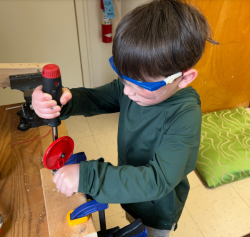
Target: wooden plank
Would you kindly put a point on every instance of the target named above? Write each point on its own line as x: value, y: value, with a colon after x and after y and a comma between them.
x: 58, y: 205
x: 21, y: 194
x: 7, y: 69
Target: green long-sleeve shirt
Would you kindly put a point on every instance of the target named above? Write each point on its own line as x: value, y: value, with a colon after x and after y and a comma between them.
x: 157, y: 148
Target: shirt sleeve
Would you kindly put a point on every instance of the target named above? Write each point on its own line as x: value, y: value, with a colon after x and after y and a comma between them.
x: 90, y: 102
x: 173, y: 160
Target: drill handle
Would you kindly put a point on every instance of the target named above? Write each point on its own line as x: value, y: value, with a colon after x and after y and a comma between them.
x: 54, y: 88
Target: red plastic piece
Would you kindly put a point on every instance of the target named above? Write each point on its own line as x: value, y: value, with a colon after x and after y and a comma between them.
x: 51, y: 71
x: 58, y: 153
x: 0, y: 231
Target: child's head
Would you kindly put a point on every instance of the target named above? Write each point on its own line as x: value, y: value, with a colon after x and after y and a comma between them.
x: 159, y: 39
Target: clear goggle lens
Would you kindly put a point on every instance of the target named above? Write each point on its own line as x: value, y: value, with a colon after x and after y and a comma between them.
x: 144, y: 92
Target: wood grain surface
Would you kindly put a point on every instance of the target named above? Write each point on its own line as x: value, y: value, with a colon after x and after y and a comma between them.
x: 21, y: 194
x: 58, y: 205
x: 223, y: 70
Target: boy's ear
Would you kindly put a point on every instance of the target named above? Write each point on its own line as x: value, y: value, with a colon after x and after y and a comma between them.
x: 187, y: 78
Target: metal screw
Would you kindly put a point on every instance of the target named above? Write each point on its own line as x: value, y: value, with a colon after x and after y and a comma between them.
x: 14, y: 107
x: 62, y: 155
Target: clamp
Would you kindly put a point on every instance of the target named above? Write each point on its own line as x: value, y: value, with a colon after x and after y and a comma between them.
x: 81, y: 213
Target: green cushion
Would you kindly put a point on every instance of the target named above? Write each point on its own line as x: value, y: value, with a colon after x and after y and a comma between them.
x: 224, y: 154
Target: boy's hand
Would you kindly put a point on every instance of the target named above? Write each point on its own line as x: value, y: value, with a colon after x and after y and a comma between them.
x: 67, y: 179
x: 44, y: 106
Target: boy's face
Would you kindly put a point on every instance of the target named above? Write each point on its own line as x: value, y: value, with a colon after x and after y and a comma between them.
x: 141, y: 97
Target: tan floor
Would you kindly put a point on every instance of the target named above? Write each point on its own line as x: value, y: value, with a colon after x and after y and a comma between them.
x: 219, y: 212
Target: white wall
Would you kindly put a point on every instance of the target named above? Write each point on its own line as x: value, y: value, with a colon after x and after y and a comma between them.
x: 39, y: 31
x: 128, y: 5
x: 102, y: 73
x: 29, y: 27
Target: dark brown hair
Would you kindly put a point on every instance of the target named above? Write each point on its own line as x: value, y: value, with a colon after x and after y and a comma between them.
x: 160, y: 38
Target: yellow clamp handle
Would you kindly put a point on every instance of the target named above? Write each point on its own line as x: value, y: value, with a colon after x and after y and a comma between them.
x: 77, y: 221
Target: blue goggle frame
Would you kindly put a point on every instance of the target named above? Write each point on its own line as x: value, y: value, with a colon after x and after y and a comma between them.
x: 151, y: 86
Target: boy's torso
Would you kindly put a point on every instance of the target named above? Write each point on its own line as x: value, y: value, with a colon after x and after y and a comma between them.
x: 141, y: 128
x: 157, y: 146
x: 140, y: 133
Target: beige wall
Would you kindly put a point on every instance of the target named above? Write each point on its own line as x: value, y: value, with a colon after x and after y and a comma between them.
x: 39, y: 31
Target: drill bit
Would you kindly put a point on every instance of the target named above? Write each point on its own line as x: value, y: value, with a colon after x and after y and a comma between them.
x: 55, y: 133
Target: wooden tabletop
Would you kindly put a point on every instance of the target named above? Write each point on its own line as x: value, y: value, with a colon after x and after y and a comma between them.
x: 21, y: 194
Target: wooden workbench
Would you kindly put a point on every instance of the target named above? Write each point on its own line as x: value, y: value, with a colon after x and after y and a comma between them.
x: 21, y: 194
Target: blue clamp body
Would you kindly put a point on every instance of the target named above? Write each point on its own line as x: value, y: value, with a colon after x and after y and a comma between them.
x: 87, y: 208
x: 76, y: 158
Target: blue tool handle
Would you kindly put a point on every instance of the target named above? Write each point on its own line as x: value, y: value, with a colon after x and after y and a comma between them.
x: 87, y: 208
x: 135, y: 229
x: 142, y: 234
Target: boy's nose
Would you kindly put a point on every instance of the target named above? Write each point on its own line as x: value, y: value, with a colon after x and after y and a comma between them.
x: 128, y: 91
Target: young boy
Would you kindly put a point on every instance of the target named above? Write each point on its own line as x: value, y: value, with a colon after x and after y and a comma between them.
x: 160, y: 121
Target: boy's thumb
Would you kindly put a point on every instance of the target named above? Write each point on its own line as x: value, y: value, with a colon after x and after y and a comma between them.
x: 66, y: 96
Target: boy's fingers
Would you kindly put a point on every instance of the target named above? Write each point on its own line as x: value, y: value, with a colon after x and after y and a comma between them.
x: 48, y: 116
x: 55, y: 177
x: 44, y: 104
x: 62, y: 189
x: 58, y: 180
x: 40, y: 95
x: 69, y: 193
x: 52, y: 110
x: 66, y: 96
x: 46, y: 111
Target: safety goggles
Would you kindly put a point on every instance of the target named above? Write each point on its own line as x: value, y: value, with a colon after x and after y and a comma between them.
x: 148, y: 90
